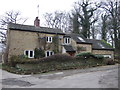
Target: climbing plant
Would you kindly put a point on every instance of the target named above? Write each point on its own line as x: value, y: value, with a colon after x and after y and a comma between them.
x: 56, y: 43
x: 39, y: 53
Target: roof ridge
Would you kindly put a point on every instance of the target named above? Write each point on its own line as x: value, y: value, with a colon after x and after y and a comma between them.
x: 93, y: 39
x: 34, y: 26
x: 23, y: 27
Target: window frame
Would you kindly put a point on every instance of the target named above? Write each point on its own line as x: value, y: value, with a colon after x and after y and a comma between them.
x: 67, y: 40
x: 49, y: 39
x: 46, y: 53
x: 29, y: 53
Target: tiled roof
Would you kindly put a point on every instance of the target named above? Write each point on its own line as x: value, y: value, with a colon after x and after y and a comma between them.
x: 13, y: 26
x: 78, y: 38
x: 96, y: 44
x: 99, y: 44
x: 69, y: 48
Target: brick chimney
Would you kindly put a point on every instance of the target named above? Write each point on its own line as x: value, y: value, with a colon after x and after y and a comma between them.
x: 37, y: 22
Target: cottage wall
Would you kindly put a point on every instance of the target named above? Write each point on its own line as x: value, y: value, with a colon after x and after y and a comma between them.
x: 23, y: 40
x: 88, y: 48
x: 20, y: 41
x: 104, y: 52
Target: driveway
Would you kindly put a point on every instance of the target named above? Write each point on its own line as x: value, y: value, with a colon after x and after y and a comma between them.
x: 99, y: 77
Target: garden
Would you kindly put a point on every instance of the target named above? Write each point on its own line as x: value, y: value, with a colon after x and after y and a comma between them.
x: 23, y: 65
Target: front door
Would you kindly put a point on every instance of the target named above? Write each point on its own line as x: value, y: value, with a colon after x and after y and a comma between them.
x: 71, y: 53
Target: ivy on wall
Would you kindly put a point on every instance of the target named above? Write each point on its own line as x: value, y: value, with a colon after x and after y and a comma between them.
x: 48, y: 46
x: 39, y: 53
x: 56, y: 43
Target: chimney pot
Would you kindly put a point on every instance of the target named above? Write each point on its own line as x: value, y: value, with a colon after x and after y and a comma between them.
x: 37, y: 22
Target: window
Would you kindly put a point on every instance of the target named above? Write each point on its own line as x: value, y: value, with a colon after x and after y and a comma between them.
x: 49, y: 53
x: 81, y: 39
x: 67, y: 40
x: 29, y: 53
x: 49, y: 39
x: 101, y: 45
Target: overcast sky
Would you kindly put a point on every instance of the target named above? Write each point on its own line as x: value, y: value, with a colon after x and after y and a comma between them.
x: 28, y: 8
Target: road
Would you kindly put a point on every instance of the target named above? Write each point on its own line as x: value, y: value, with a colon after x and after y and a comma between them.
x: 98, y: 77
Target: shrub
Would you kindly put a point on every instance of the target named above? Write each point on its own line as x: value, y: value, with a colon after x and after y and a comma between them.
x: 99, y: 56
x: 85, y: 55
x: 58, y: 58
x: 12, y: 61
x: 109, y: 61
x: 89, y: 55
x: 54, y: 58
x: 39, y: 53
x: 17, y: 59
x: 52, y: 63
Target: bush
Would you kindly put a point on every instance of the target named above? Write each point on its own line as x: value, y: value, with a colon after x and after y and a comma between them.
x: 23, y: 60
x: 109, y: 61
x: 17, y: 59
x: 39, y: 53
x: 99, y: 56
x: 89, y: 55
x: 58, y: 58
x: 85, y: 55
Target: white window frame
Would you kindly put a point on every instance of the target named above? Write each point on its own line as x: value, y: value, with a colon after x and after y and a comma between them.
x: 49, y: 39
x: 29, y: 53
x: 49, y: 53
x: 68, y: 39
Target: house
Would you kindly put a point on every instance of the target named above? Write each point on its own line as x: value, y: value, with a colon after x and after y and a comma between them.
x: 80, y: 44
x: 23, y: 39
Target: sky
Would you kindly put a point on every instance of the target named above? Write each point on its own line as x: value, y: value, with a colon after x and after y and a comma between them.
x: 28, y: 8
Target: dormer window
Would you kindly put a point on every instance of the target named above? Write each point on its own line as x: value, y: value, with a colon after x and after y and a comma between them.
x: 49, y: 39
x: 67, y: 40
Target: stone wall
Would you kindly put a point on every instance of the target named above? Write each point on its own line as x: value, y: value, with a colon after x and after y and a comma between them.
x: 104, y: 52
x: 75, y: 46
x: 19, y: 41
x: 88, y: 48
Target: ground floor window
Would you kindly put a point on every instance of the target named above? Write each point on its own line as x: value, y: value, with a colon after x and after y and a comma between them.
x: 49, y: 53
x: 29, y: 53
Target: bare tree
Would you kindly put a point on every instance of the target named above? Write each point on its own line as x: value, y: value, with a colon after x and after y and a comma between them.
x: 85, y: 11
x: 112, y: 7
x: 75, y: 22
x: 13, y: 17
x: 9, y: 17
x: 104, y: 26
x: 57, y: 19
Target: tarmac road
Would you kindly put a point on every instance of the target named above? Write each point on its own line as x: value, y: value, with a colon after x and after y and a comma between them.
x: 98, y: 77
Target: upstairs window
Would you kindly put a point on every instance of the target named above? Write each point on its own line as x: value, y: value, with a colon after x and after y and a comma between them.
x: 29, y: 53
x: 49, y: 53
x: 67, y: 40
x: 49, y: 39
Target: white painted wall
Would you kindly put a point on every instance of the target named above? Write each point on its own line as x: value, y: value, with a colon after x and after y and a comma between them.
x: 63, y: 50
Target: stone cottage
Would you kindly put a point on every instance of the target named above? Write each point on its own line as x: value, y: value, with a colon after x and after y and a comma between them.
x: 23, y: 39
